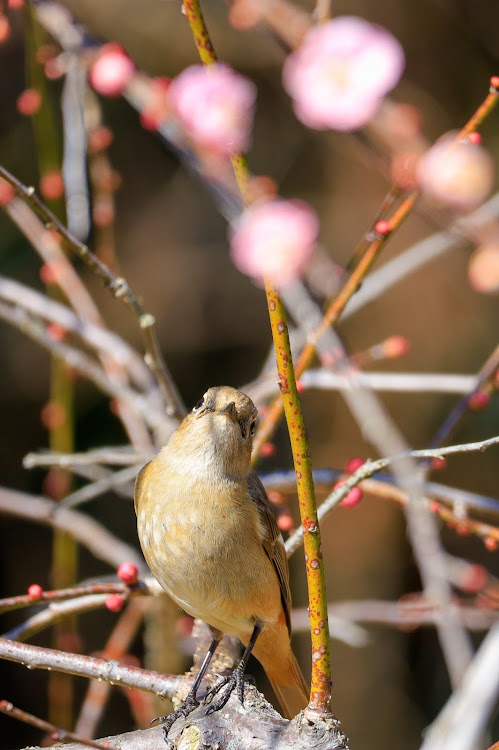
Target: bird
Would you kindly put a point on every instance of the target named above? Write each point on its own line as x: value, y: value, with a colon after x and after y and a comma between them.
x: 210, y: 537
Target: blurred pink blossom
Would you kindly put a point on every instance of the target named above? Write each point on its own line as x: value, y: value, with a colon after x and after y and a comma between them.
x: 274, y: 240
x: 111, y: 72
x: 339, y: 75
x: 483, y: 269
x: 457, y: 174
x: 215, y: 106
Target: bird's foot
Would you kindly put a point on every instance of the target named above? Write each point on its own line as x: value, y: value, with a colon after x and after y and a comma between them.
x: 190, y: 703
x: 220, y: 693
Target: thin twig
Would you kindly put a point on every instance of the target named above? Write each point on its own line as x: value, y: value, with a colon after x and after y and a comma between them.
x: 375, y: 245
x: 394, y: 382
x: 93, y: 535
x: 119, y: 456
x: 95, y: 336
x: 487, y: 371
x: 56, y: 733
x: 372, y: 467
x: 90, y: 491
x: 481, y: 113
x: 284, y: 481
x: 58, y: 595
x: 455, y: 517
x: 322, y: 11
x: 58, y: 611
x: 397, y: 382
x: 415, y: 257
x: 373, y: 242
x: 460, y: 501
x: 81, y: 362
x: 118, y: 286
x: 380, y: 430
x: 73, y: 289
x: 462, y: 498
x: 401, y: 614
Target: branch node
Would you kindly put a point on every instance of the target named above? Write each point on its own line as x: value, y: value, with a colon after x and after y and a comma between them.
x: 147, y: 320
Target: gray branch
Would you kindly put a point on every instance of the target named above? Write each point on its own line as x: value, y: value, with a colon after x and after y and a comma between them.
x: 91, y: 534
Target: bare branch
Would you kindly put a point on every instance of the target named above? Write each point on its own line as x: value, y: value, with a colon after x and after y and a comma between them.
x: 90, y: 491
x: 95, y: 336
x: 402, y: 614
x: 58, y: 595
x: 396, y: 382
x: 284, y: 481
x: 73, y: 289
x: 418, y: 255
x: 464, y: 718
x: 322, y: 11
x: 392, y: 381
x: 35, y: 657
x: 81, y: 362
x: 54, y: 613
x: 487, y: 371
x: 380, y: 430
x: 57, y: 610
x: 116, y: 647
x: 93, y: 535
x: 56, y: 733
x: 119, y: 456
x: 118, y: 286
x: 372, y: 467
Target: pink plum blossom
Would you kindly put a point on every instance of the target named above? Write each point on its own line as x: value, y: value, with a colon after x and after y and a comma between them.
x: 483, y: 269
x: 274, y: 240
x: 339, y: 75
x: 214, y: 105
x: 112, y: 71
x: 457, y: 174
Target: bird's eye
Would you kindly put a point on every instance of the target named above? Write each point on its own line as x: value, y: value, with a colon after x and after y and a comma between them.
x: 252, y: 428
x: 199, y: 404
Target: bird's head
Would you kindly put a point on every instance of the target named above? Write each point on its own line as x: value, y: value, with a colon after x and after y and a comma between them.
x: 220, y: 429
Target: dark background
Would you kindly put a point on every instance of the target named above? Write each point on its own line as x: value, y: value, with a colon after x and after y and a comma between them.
x: 171, y: 244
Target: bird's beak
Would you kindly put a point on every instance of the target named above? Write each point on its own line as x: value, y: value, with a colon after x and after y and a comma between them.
x: 230, y: 411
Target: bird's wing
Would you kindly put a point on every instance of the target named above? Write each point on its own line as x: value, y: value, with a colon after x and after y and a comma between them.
x: 272, y: 542
x: 138, y: 483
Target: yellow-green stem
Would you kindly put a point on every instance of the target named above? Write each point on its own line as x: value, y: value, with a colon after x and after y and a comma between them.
x: 320, y: 691
x: 194, y: 15
x: 64, y: 550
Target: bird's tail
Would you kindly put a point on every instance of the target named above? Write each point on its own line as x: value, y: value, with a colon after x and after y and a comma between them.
x: 289, y: 686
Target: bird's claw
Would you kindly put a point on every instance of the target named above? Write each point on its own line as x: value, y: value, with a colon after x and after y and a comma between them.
x: 185, y: 709
x: 223, y: 690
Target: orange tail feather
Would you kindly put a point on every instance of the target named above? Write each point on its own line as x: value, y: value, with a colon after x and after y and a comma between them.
x: 290, y: 687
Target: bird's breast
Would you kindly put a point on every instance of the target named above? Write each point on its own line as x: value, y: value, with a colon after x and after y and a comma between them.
x: 203, y: 543
x: 207, y: 515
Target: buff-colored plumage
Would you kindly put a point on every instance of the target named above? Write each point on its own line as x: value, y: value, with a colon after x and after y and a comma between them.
x: 209, y: 535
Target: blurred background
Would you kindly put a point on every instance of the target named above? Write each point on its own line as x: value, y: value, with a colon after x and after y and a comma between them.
x: 170, y: 243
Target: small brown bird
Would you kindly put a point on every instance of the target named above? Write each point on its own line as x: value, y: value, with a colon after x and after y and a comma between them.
x: 210, y: 537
